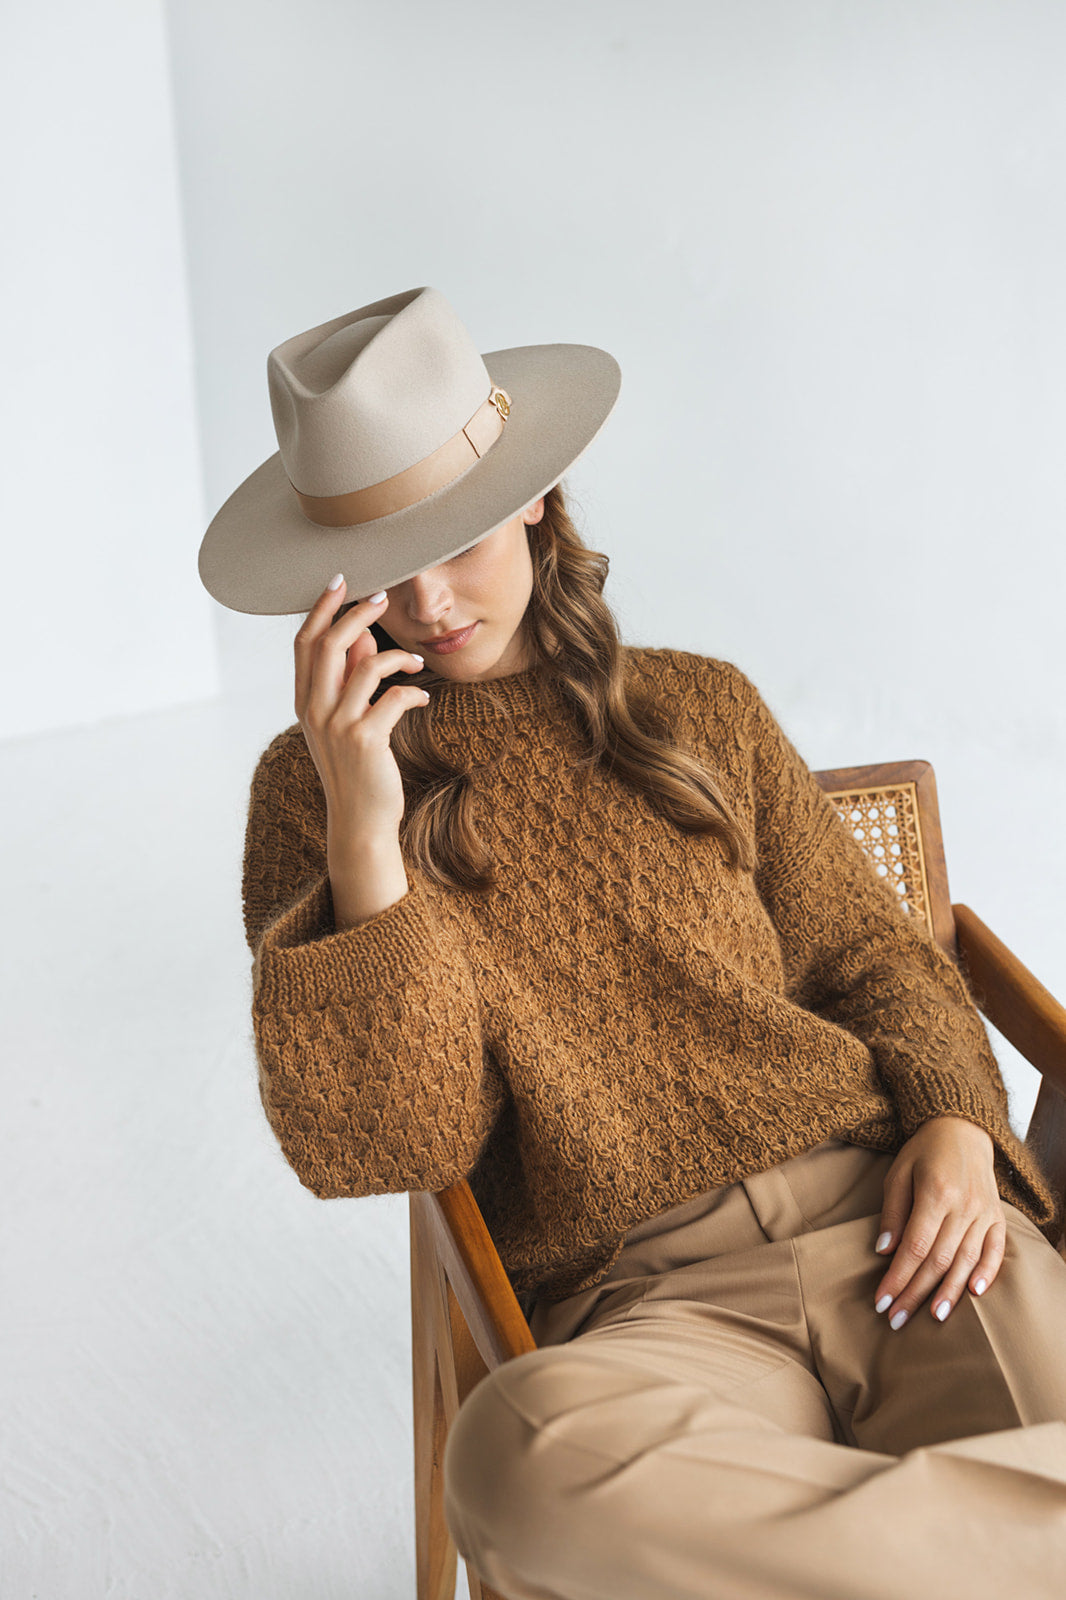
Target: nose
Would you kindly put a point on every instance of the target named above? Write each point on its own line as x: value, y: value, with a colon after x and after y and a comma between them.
x: 425, y: 598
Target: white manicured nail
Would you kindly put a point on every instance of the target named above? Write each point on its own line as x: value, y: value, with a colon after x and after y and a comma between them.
x: 898, y: 1320
x: 884, y: 1303
x: 376, y: 599
x: 335, y: 583
x: 883, y: 1243
x: 980, y: 1286
x: 942, y: 1310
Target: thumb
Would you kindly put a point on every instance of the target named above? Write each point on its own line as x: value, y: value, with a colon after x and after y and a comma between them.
x: 897, y: 1200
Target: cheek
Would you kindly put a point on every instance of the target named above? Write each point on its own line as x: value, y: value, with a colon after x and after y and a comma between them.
x: 520, y: 570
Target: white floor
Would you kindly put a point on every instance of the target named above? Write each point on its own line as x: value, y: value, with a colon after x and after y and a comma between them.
x: 206, y: 1370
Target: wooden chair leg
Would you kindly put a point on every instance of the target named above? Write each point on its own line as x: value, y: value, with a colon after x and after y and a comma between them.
x: 447, y: 1364
x: 436, y: 1557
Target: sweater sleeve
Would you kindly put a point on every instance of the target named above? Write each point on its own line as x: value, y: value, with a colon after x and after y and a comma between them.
x: 372, y: 1069
x: 855, y: 956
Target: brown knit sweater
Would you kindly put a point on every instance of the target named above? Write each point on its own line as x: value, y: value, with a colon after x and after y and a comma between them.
x: 625, y: 1020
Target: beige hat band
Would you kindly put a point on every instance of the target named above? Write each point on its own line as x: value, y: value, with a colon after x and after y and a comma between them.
x: 454, y: 457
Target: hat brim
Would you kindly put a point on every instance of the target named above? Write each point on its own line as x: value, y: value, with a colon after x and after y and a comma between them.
x: 261, y: 555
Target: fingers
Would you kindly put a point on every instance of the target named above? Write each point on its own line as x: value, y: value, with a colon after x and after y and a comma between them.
x: 978, y: 1259
x: 896, y: 1208
x: 314, y: 628
x: 338, y: 662
x: 960, y: 1255
x: 926, y: 1251
x: 991, y: 1258
x: 364, y: 677
x: 923, y: 1276
x: 385, y: 713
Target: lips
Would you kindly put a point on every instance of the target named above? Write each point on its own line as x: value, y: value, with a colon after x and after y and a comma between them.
x: 446, y: 642
x: 442, y: 638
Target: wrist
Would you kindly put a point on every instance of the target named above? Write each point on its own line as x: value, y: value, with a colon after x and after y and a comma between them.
x: 346, y: 851
x: 366, y: 878
x: 964, y: 1128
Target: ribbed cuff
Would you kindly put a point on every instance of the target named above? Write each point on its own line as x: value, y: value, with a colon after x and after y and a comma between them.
x: 938, y: 1092
x: 305, y: 964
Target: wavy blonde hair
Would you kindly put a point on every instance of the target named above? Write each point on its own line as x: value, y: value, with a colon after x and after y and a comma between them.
x: 575, y: 642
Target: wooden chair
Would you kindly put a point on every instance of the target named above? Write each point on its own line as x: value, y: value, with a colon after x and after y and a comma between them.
x: 466, y: 1318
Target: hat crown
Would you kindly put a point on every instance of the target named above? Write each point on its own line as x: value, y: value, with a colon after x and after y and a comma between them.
x: 365, y: 396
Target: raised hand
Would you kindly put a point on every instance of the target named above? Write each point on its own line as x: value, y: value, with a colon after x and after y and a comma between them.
x: 338, y: 668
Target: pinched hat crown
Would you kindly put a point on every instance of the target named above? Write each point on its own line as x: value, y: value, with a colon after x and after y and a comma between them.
x: 368, y: 396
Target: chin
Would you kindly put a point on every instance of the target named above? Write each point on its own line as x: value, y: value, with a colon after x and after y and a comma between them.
x: 462, y: 671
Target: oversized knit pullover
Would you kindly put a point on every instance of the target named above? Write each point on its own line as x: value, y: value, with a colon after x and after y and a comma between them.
x: 625, y: 1020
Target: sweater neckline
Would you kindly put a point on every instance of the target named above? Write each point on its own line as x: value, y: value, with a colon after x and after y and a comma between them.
x: 530, y: 693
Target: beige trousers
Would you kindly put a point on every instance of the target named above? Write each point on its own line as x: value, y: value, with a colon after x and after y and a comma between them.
x: 725, y: 1416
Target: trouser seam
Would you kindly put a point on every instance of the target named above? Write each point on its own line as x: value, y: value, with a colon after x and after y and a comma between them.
x: 848, y: 1411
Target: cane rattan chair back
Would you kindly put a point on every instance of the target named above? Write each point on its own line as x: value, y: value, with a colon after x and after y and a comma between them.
x: 466, y: 1319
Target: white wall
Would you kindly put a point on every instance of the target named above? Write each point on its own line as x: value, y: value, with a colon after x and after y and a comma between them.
x: 825, y: 241
x: 100, y: 496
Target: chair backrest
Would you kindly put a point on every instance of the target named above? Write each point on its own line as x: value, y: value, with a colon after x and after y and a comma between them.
x: 892, y: 810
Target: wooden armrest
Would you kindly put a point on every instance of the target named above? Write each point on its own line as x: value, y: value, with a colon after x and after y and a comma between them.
x: 475, y: 1272
x: 1012, y: 999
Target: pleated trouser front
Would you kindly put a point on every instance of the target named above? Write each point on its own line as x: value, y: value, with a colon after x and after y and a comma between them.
x: 725, y: 1416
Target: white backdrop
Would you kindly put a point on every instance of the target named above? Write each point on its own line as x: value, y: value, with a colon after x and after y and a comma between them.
x: 101, y: 495
x: 825, y: 242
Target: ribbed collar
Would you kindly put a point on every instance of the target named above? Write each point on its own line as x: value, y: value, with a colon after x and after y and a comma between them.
x: 519, y: 695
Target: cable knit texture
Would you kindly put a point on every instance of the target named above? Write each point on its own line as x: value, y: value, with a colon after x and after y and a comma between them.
x: 625, y: 1020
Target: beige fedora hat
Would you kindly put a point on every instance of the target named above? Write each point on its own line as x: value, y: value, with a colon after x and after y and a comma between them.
x: 400, y: 446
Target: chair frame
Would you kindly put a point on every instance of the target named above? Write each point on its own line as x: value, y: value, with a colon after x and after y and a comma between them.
x: 465, y: 1316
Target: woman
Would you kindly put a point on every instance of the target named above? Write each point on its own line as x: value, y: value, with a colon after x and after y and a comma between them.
x: 574, y: 920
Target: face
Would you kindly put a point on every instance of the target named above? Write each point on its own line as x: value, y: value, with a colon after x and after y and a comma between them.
x: 488, y: 586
